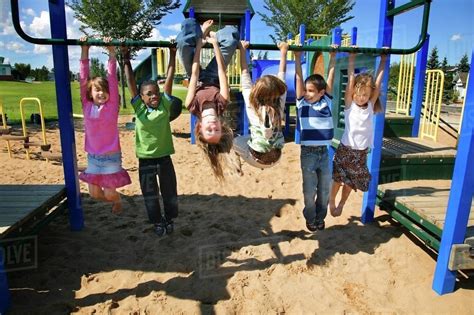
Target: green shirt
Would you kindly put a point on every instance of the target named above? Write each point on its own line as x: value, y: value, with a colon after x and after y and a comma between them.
x: 152, y: 129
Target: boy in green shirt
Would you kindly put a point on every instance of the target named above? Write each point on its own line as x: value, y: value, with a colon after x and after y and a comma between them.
x: 154, y: 145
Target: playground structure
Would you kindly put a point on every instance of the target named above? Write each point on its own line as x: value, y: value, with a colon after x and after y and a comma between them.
x: 461, y: 186
x: 7, y: 135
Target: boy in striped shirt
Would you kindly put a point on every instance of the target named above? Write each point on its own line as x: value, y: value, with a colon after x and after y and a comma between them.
x: 313, y: 103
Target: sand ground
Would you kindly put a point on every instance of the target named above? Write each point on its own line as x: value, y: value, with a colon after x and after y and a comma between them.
x: 239, y: 247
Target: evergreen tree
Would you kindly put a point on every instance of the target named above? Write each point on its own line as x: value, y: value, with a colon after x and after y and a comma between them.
x: 463, y: 65
x: 433, y: 59
x: 448, y: 82
x: 319, y: 16
x: 130, y: 19
x: 97, y: 68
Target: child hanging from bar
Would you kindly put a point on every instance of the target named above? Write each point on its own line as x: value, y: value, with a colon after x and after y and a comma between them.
x: 208, y: 90
x: 100, y: 106
x: 350, y: 161
x: 265, y: 108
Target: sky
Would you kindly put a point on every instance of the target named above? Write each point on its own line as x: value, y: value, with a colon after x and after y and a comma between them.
x: 451, y: 30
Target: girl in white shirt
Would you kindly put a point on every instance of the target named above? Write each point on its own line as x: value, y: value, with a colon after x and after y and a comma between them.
x: 350, y: 161
x: 265, y: 106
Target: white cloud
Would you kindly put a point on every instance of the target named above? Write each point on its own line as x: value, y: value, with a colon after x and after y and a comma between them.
x: 40, y: 25
x: 456, y: 37
x: 29, y: 11
x: 172, y: 27
x: 1, y: 44
x: 16, y: 47
x: 6, y: 25
x: 41, y: 49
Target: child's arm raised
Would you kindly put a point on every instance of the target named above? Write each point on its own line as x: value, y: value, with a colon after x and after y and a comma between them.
x: 379, y: 78
x: 283, y: 46
x: 132, y: 85
x: 84, y: 69
x: 224, y: 86
x: 299, y: 76
x: 244, y: 67
x: 350, y: 81
x: 168, y: 87
x: 112, y: 74
x: 332, y: 64
x: 194, y: 73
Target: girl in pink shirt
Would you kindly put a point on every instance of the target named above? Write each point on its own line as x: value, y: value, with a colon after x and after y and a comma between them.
x: 100, y: 106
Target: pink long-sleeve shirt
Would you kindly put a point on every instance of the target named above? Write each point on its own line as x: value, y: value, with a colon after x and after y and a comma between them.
x: 100, y: 123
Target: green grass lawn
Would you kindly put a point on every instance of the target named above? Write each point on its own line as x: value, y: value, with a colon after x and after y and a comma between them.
x: 12, y: 92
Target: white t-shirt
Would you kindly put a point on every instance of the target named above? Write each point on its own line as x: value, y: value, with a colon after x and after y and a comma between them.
x: 262, y: 138
x: 359, y: 130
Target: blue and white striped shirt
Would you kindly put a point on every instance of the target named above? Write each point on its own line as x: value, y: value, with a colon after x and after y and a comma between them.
x: 316, y: 125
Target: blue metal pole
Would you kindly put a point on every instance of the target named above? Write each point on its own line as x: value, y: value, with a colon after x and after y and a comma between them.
x: 384, y: 40
x: 66, y: 124
x: 244, y: 120
x: 5, y: 300
x: 354, y: 36
x: 460, y: 197
x: 336, y: 40
x: 286, y: 131
x: 193, y: 117
x: 419, y: 86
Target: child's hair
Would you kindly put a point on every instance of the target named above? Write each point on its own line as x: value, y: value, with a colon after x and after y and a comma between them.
x: 267, y: 91
x: 364, y: 80
x: 146, y: 83
x: 317, y: 80
x: 212, y: 150
x: 98, y: 82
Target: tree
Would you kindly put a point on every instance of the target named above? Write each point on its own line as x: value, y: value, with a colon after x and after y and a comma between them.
x: 448, y: 82
x: 97, y: 68
x: 463, y: 65
x: 433, y: 59
x: 319, y: 16
x: 393, y: 80
x: 130, y: 19
x: 40, y: 74
x: 22, y: 69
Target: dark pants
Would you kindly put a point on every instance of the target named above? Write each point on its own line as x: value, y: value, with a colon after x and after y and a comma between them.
x: 148, y: 170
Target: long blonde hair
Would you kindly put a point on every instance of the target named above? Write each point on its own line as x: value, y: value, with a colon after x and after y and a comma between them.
x: 364, y: 80
x: 267, y: 92
x: 213, y: 150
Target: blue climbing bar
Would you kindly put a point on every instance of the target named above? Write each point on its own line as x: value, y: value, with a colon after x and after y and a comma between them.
x: 419, y: 86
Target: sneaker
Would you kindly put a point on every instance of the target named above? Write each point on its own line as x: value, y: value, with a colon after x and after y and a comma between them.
x: 320, y: 226
x: 311, y: 226
x: 160, y: 229
x: 169, y: 227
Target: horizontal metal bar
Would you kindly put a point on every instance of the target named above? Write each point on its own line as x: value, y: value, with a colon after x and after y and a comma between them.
x: 406, y: 7
x: 142, y: 43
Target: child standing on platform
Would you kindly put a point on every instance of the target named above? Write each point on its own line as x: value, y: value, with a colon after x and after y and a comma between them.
x: 313, y: 103
x: 100, y: 106
x: 154, y: 145
x: 350, y: 161
x: 208, y: 90
x: 265, y: 108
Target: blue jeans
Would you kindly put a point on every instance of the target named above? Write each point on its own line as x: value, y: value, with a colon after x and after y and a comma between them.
x: 148, y: 170
x: 227, y: 38
x: 104, y: 163
x: 317, y: 175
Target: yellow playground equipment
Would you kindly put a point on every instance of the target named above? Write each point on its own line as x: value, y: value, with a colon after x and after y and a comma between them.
x: 43, y: 144
x: 432, y: 104
x: 233, y: 69
x: 405, y: 84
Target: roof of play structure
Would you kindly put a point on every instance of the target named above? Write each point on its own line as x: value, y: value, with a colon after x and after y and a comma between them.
x: 223, y: 11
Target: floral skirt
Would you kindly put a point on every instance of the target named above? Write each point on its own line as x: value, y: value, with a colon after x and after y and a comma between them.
x: 350, y: 168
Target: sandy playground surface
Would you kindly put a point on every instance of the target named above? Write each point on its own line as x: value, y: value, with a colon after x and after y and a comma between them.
x: 238, y: 248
